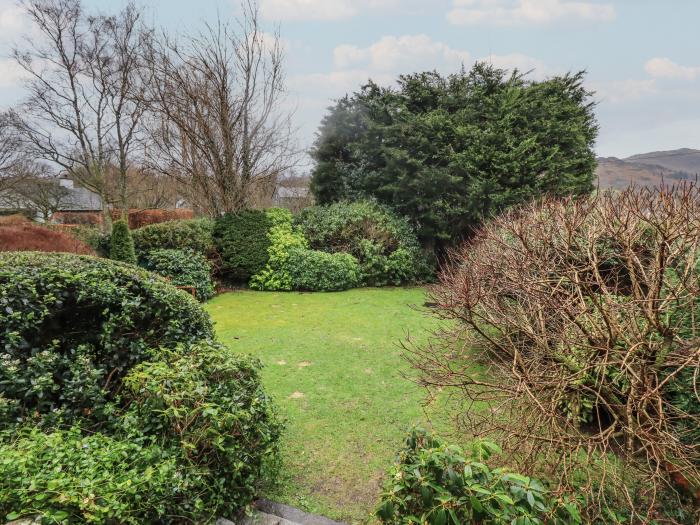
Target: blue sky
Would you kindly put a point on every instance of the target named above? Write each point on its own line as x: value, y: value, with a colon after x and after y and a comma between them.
x: 642, y: 56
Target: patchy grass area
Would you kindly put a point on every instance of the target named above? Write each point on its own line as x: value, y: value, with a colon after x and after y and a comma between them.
x: 333, y: 364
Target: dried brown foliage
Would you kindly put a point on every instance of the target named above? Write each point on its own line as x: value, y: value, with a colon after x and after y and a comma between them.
x: 20, y: 234
x: 574, y: 341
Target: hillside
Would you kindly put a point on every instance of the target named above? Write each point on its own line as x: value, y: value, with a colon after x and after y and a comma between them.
x: 648, y: 169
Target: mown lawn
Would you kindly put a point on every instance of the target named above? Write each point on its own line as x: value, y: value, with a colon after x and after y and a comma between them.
x: 333, y: 364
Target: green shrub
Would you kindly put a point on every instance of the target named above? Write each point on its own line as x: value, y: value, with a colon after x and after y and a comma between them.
x: 167, y: 426
x: 283, y: 238
x: 182, y: 268
x: 209, y: 405
x: 65, y: 476
x: 242, y: 242
x: 383, y: 243
x: 94, y: 237
x: 121, y: 244
x: 72, y: 326
x: 314, y: 270
x: 192, y: 234
x: 437, y: 484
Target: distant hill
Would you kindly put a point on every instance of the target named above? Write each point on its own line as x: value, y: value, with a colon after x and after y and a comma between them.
x: 649, y: 169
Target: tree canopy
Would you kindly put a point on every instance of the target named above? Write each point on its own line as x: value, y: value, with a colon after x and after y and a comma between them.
x: 448, y: 151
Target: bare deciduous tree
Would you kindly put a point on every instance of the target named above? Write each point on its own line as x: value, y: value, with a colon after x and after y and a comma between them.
x: 11, y: 155
x: 84, y: 105
x: 574, y: 341
x: 219, y: 122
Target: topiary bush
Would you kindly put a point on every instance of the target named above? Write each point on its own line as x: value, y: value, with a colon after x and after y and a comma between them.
x: 121, y: 244
x: 313, y: 270
x: 242, y: 242
x: 383, y: 243
x: 193, y: 234
x: 182, y: 268
x: 115, y: 404
x: 72, y: 326
x: 439, y: 484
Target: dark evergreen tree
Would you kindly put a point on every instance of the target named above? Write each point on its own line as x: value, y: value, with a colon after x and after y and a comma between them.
x: 122, y: 244
x: 449, y: 151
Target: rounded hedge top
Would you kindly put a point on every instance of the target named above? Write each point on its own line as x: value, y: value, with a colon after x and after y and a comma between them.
x: 73, y: 321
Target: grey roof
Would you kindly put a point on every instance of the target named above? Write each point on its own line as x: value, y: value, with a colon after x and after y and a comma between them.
x: 82, y: 199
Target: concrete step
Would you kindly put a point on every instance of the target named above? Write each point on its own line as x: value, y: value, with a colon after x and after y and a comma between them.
x: 271, y: 513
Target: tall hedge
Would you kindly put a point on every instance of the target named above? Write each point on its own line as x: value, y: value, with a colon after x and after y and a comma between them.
x: 242, y: 242
x: 121, y: 244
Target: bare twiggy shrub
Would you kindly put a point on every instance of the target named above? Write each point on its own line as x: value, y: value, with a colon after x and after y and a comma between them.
x: 574, y: 340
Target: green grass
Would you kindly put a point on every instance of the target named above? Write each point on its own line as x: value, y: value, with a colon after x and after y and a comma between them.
x: 333, y: 364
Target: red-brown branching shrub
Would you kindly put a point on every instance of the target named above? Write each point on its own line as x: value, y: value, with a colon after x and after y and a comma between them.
x: 21, y: 235
x: 574, y: 339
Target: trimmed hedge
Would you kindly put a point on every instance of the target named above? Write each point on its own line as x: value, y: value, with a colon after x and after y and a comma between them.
x: 72, y: 326
x: 384, y: 244
x: 182, y: 268
x: 314, y: 270
x: 121, y: 244
x: 115, y: 405
x: 242, y: 242
x: 193, y: 234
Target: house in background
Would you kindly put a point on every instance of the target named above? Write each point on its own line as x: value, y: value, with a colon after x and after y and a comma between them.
x: 81, y: 206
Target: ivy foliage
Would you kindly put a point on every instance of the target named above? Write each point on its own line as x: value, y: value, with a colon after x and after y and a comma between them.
x: 449, y: 151
x: 183, y: 268
x: 439, y: 484
x: 122, y: 244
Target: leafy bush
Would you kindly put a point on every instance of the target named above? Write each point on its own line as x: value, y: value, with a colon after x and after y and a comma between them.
x: 314, y: 270
x: 121, y: 244
x: 208, y: 404
x: 242, y: 242
x: 586, y: 313
x: 193, y: 234
x: 72, y: 326
x: 283, y: 238
x: 383, y: 243
x: 66, y: 475
x: 94, y: 237
x: 438, y: 484
x: 167, y: 426
x: 183, y: 268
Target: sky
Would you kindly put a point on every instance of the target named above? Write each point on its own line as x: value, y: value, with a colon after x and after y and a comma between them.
x: 642, y: 57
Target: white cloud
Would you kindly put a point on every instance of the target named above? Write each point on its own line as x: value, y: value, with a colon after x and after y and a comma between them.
x: 666, y: 68
x: 319, y: 9
x: 516, y: 12
x: 12, y: 21
x: 401, y: 54
x: 11, y: 73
